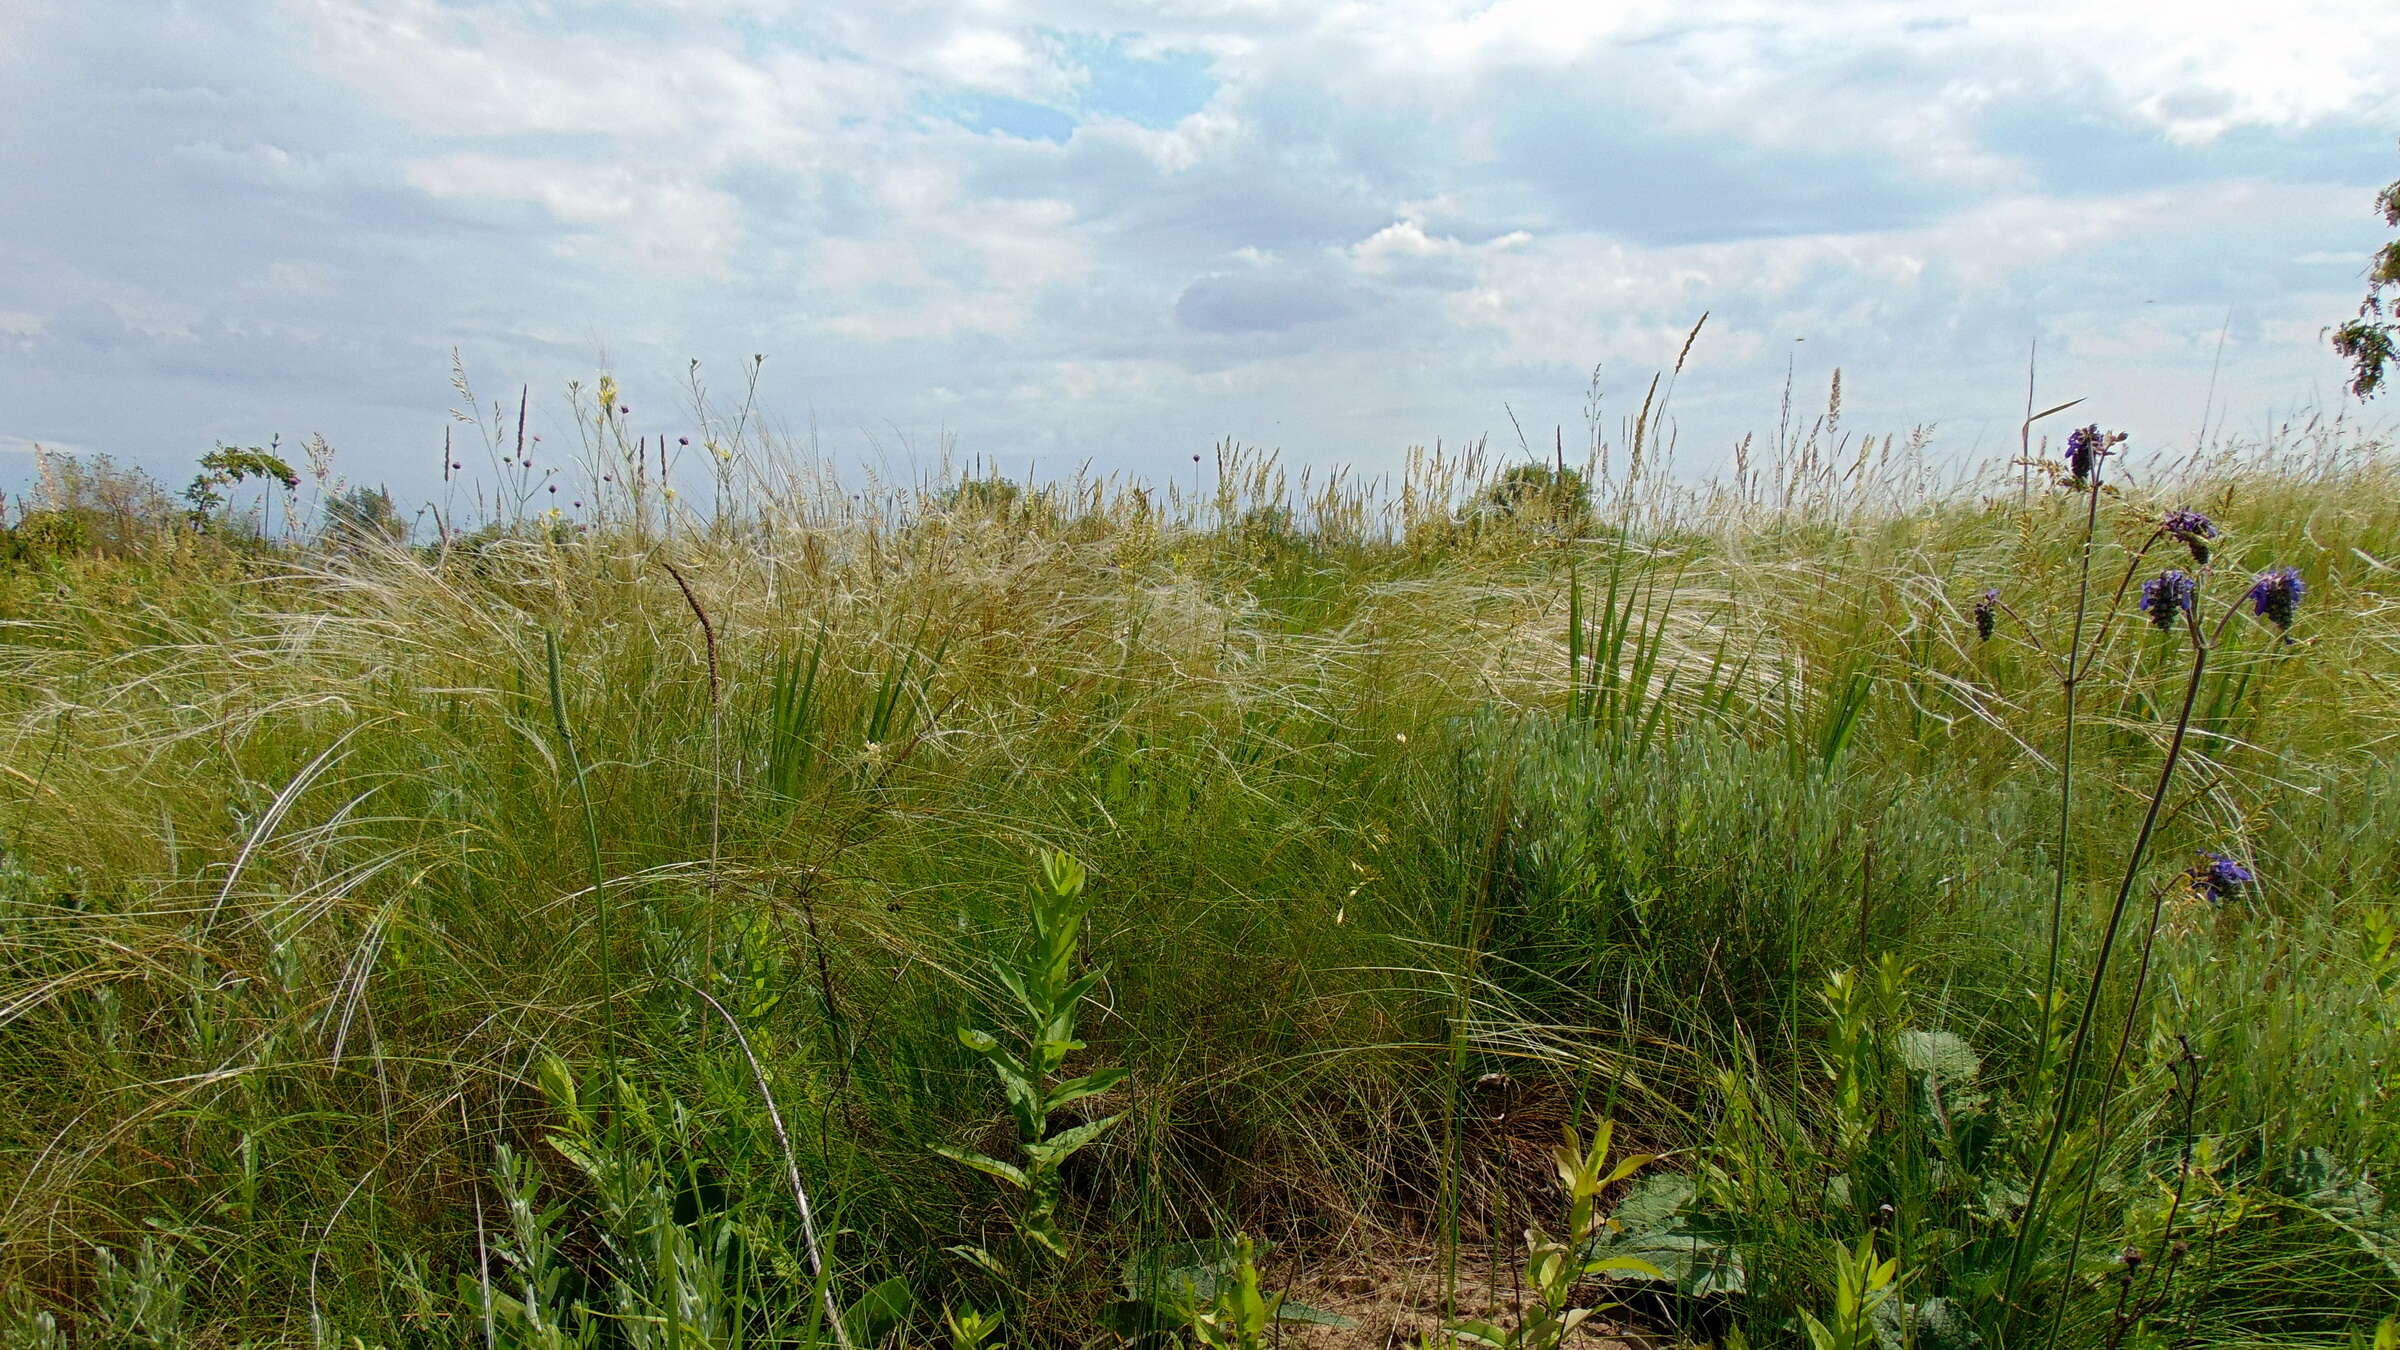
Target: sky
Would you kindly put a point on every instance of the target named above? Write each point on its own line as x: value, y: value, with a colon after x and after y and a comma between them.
x: 1113, y: 233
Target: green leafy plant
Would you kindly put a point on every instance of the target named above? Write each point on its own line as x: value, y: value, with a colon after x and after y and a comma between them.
x: 1209, y: 1288
x: 1043, y: 981
x: 519, y: 1294
x: 1554, y: 1266
x: 970, y: 1329
x: 1861, y: 1286
x: 1239, y: 1317
x: 1658, y: 1222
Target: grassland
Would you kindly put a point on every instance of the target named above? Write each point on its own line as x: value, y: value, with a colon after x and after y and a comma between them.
x: 494, y: 938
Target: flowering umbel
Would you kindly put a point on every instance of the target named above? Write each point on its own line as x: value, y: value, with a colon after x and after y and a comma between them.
x: 2168, y: 596
x: 2217, y: 875
x: 2275, y: 594
x: 1987, y: 614
x: 2086, y: 447
x: 2193, y: 529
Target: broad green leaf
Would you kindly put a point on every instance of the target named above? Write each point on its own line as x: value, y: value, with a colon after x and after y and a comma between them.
x: 1481, y: 1333
x: 1622, y: 1263
x: 1946, y: 1056
x: 1628, y: 1167
x: 1062, y: 1145
x: 1012, y: 1175
x: 1090, y: 1085
x: 980, y: 1257
x: 879, y: 1312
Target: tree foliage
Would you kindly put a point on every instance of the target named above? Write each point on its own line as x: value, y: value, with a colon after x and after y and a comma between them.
x: 227, y: 466
x: 2366, y: 342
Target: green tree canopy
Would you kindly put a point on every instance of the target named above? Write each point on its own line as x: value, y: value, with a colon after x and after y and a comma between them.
x: 2366, y: 342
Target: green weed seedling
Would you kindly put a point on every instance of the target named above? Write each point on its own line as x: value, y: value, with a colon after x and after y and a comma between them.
x: 970, y: 1330
x: 1208, y: 1288
x: 1861, y: 1284
x: 1042, y: 979
x: 1554, y: 1266
x: 1240, y: 1316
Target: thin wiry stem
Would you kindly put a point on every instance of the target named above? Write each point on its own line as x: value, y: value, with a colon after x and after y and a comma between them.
x: 591, y: 836
x: 2068, y: 683
x: 2091, y: 993
x: 2063, y: 1116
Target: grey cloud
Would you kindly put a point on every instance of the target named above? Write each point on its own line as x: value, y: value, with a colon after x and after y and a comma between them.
x: 1261, y: 302
x: 89, y: 324
x: 160, y: 204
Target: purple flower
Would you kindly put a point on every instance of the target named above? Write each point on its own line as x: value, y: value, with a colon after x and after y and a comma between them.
x: 683, y: 440
x: 2275, y: 594
x: 2086, y: 447
x: 2194, y: 529
x: 1987, y: 614
x: 2217, y: 876
x: 2168, y: 596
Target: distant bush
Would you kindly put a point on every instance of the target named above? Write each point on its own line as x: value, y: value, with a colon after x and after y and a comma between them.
x: 89, y: 505
x: 1542, y: 494
x: 43, y: 535
x: 360, y: 516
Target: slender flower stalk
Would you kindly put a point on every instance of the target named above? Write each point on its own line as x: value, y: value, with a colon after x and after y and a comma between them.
x: 2219, y: 873
x: 2064, y: 1116
x: 2091, y: 446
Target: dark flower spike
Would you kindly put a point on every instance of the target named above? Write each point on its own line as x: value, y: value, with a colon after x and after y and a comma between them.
x: 2168, y: 596
x: 2086, y: 447
x: 2275, y: 594
x: 2194, y: 529
x: 2217, y: 876
x: 1987, y: 614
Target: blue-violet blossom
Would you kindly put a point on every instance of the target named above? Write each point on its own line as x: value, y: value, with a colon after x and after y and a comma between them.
x: 2275, y: 594
x: 2169, y: 595
x: 2194, y: 529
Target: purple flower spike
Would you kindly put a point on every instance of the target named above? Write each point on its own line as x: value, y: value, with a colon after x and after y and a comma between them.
x: 2168, y: 596
x: 2218, y: 875
x: 1987, y: 614
x: 2086, y: 447
x: 2194, y: 529
x: 2275, y: 594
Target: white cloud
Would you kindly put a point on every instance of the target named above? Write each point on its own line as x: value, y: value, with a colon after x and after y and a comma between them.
x: 1384, y: 221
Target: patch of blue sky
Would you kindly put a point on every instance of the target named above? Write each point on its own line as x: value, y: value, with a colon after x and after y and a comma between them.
x: 1149, y: 91
x: 1155, y: 92
x: 992, y: 114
